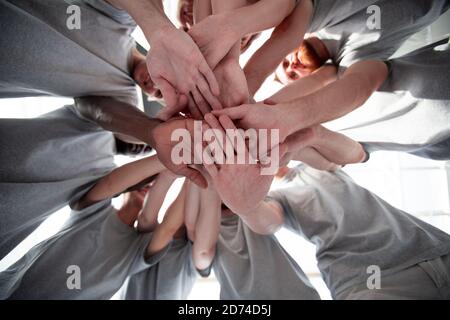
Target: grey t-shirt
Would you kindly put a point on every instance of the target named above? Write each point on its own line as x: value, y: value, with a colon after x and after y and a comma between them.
x: 41, y: 56
x: 350, y: 38
x: 172, y: 278
x: 353, y: 229
x: 411, y: 111
x: 104, y: 249
x: 45, y: 163
x: 250, y: 266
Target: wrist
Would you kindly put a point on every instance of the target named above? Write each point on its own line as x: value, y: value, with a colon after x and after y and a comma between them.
x: 292, y: 117
x: 232, y: 24
x: 156, y: 31
x: 249, y: 213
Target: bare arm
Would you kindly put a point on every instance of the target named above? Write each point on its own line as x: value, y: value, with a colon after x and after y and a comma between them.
x: 337, y: 99
x: 286, y: 37
x: 219, y: 33
x: 192, y: 209
x: 306, y: 85
x: 118, y: 117
x: 121, y: 179
x: 262, y: 15
x: 171, y: 47
x: 173, y: 221
x: 336, y: 147
x: 207, y: 229
x: 266, y: 219
x: 148, y: 217
x: 332, y: 146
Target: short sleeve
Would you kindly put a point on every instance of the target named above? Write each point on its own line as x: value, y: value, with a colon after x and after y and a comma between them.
x: 121, y: 16
x: 141, y: 263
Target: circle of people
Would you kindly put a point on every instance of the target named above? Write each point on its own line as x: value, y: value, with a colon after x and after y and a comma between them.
x: 333, y: 66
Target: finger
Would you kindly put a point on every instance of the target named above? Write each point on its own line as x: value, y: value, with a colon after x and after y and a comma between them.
x: 192, y: 207
x: 208, y: 161
x: 219, y: 155
x: 214, y: 124
x: 230, y: 128
x: 168, y: 92
x: 235, y: 113
x: 195, y: 112
x: 209, y: 164
x: 206, y: 71
x: 276, y: 156
x: 204, y: 89
x: 200, y: 101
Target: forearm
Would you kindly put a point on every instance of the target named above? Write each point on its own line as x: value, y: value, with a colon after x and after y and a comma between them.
x: 148, y: 14
x: 312, y: 158
x: 262, y: 15
x: 306, y: 85
x: 206, y: 230
x: 220, y: 6
x: 192, y: 208
x: 338, y: 148
x: 148, y: 218
x: 118, y: 117
x: 173, y: 221
x: 284, y: 39
x: 266, y: 219
x: 335, y: 100
x: 122, y: 178
x: 160, y: 239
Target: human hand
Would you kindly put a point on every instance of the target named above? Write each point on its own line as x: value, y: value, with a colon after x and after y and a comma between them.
x: 232, y: 82
x: 240, y: 186
x: 259, y: 116
x: 161, y: 137
x: 215, y: 37
x: 192, y: 209
x: 177, y: 67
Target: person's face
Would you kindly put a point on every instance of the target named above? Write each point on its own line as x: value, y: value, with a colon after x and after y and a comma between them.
x: 186, y: 14
x: 142, y: 78
x: 301, y: 63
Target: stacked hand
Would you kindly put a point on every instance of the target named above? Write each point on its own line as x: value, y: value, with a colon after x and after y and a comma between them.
x: 215, y: 37
x: 240, y: 186
x: 179, y: 70
x: 258, y: 116
x: 163, y: 144
x: 232, y: 82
